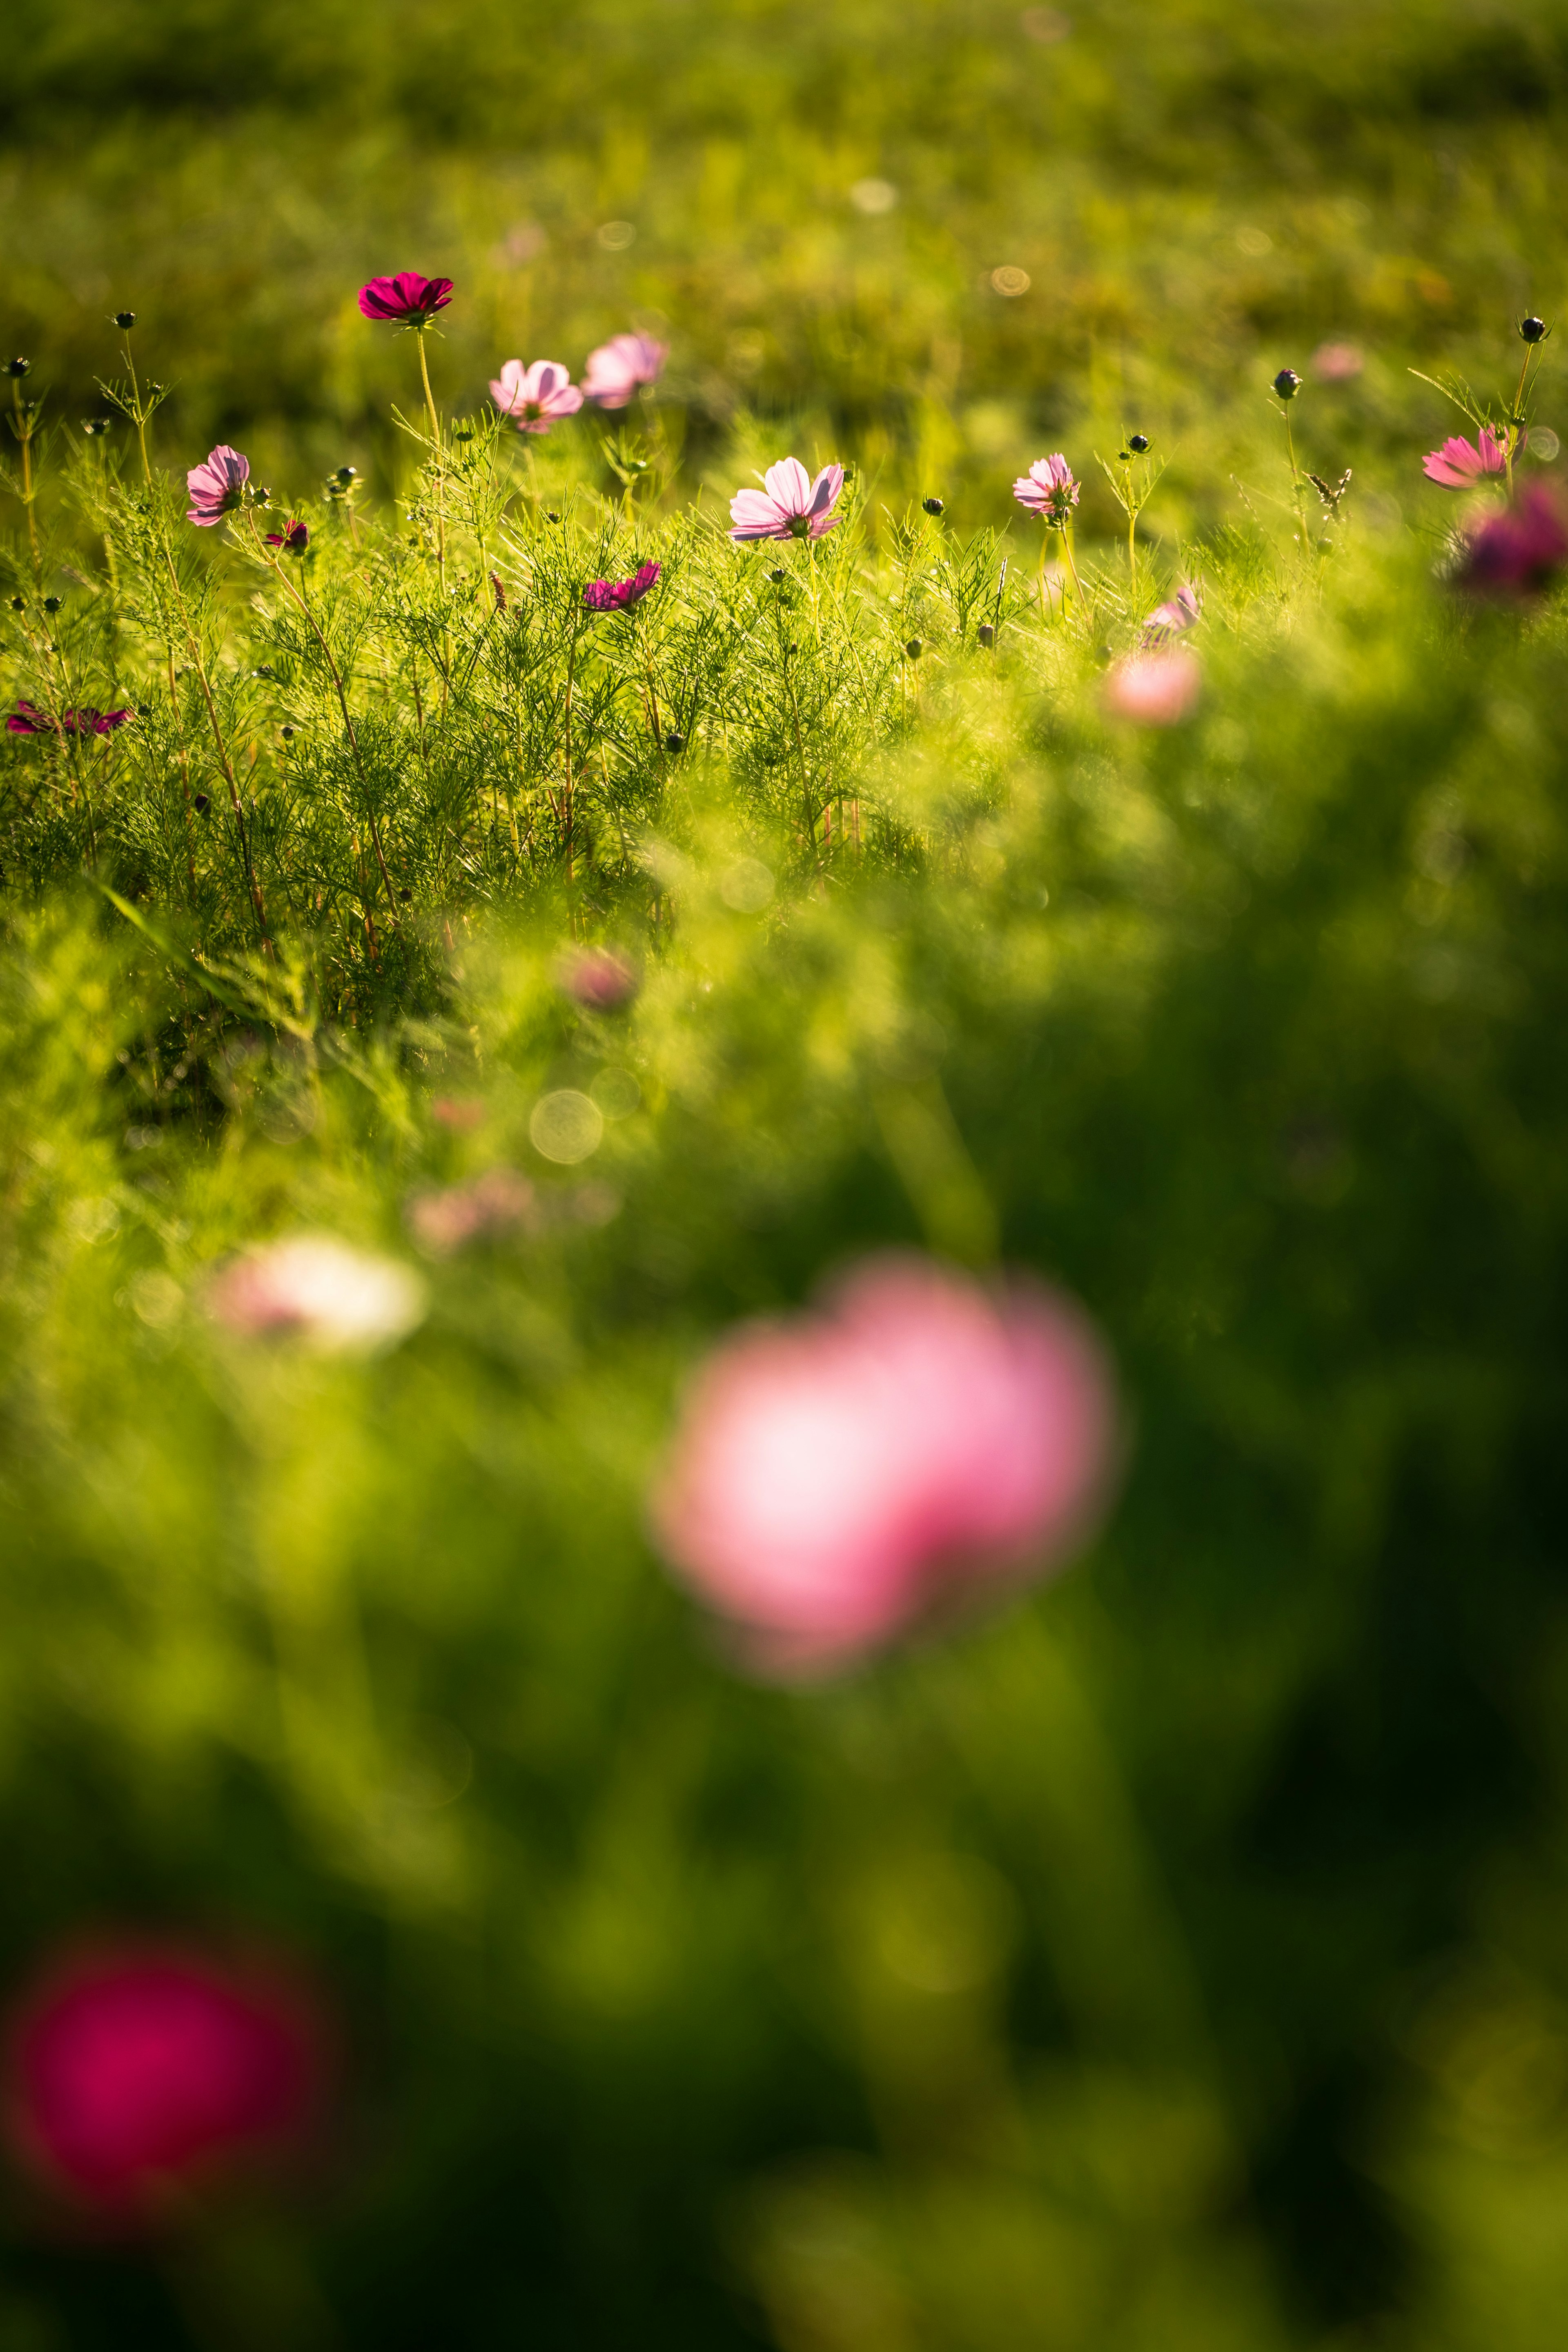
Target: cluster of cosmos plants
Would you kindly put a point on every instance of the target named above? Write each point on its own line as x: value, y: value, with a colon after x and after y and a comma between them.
x: 497, y: 698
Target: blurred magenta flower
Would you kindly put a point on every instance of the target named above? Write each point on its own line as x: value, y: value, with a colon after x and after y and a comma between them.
x: 1337, y: 363
x: 534, y: 396
x: 790, y: 505
x: 462, y: 1113
x: 294, y: 537
x: 1519, y: 552
x: 27, y: 719
x: 615, y: 595
x: 407, y: 299
x: 138, y: 2072
x: 1154, y: 689
x: 599, y: 978
x: 1049, y: 488
x: 921, y: 1439
x: 1461, y: 465
x: 315, y: 1289
x: 621, y: 367
x: 1169, y: 620
x: 217, y: 486
x: 496, y: 1202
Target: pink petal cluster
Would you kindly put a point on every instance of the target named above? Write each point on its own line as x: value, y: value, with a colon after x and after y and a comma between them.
x: 137, y: 2071
x: 496, y: 1202
x: 535, y: 396
x: 599, y: 978
x: 1461, y: 465
x: 27, y: 719
x: 1049, y: 488
x: 1519, y: 552
x: 313, y: 1288
x: 919, y: 1442
x: 790, y: 505
x: 616, y: 595
x: 1154, y: 689
x: 406, y: 300
x: 621, y: 367
x: 293, y: 539
x: 217, y: 486
x: 1182, y: 612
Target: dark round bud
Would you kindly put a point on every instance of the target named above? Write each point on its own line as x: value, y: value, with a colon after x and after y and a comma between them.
x: 792, y: 647
x: 1138, y: 443
x: 1533, y: 330
x: 143, y: 710
x: 913, y: 649
x: 778, y: 573
x: 987, y: 633
x: 404, y: 896
x: 1286, y: 384
x: 287, y: 734
x: 347, y: 474
x: 126, y: 318
x: 460, y: 432
x: 94, y: 426
x: 201, y: 804
x: 18, y: 604
x: 674, y: 744
x: 551, y: 515
x: 932, y: 506
x: 1124, y: 457
x: 18, y: 367
x: 53, y: 603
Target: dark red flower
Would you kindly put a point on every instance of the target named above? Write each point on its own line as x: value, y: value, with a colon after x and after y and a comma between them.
x: 1520, y: 551
x: 407, y: 299
x: 294, y: 537
x: 141, y: 2069
x: 27, y: 719
x: 617, y: 596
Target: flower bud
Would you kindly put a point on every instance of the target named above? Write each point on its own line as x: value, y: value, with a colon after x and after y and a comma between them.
x: 53, y: 603
x: 987, y: 633
x: 201, y: 803
x: 18, y: 367
x: 1286, y: 384
x: 125, y: 319
x: 346, y: 474
x: 778, y: 573
x: 1138, y: 443
x: 1533, y: 330
x: 94, y: 426
x: 674, y: 744
x: 287, y: 734
x: 932, y: 506
x: 18, y: 604
x: 551, y: 515
x: 912, y: 651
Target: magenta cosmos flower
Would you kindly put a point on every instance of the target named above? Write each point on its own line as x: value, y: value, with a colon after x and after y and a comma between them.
x: 920, y: 1440
x: 1519, y: 552
x: 1154, y: 689
x: 27, y: 719
x: 1183, y: 612
x: 217, y: 486
x: 293, y: 539
x: 789, y: 505
x: 406, y: 300
x: 534, y: 396
x: 1337, y: 363
x: 599, y: 978
x: 138, y: 2072
x: 616, y: 595
x: 1049, y: 488
x: 621, y: 367
x: 1461, y: 465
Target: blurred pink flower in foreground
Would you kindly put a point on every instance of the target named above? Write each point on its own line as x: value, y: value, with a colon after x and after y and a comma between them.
x: 217, y: 486
x: 496, y: 1202
x: 27, y: 719
x: 790, y: 505
x: 617, y: 596
x: 335, y: 1299
x: 535, y: 396
x: 462, y: 1113
x: 1049, y: 488
x: 621, y: 367
x: 407, y: 300
x: 600, y: 978
x: 1519, y: 552
x: 1169, y: 620
x: 1462, y: 465
x: 922, y: 1438
x: 1337, y: 363
x: 1154, y: 689
x: 138, y: 2072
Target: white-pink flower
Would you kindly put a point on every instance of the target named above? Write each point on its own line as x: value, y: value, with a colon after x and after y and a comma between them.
x: 921, y: 1439
x: 1180, y: 613
x: 535, y: 396
x: 1461, y: 465
x: 1049, y: 488
x: 621, y: 367
x: 1154, y: 689
x: 218, y: 486
x: 315, y: 1289
x: 790, y: 505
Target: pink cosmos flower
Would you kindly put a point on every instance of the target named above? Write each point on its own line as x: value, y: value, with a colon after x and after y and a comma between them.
x: 920, y: 1440
x: 1519, y: 552
x: 616, y: 595
x: 533, y: 396
x: 294, y: 537
x: 599, y: 978
x: 1169, y: 620
x: 313, y: 1288
x: 621, y: 367
x: 496, y: 1202
x: 406, y: 300
x: 1337, y: 363
x: 1461, y: 465
x: 27, y: 719
x: 217, y: 487
x: 462, y: 1113
x: 790, y: 505
x: 1154, y: 689
x: 1049, y: 488
x: 137, y: 2071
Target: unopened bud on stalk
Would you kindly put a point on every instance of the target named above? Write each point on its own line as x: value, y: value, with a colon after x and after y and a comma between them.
x: 498, y: 591
x: 987, y: 635
x: 551, y: 515
x: 913, y: 649
x: 1286, y: 384
x: 1138, y: 443
x: 53, y: 603
x: 1533, y: 330
x: 18, y: 367
x: 125, y: 319
x: 94, y: 426
x: 778, y: 573
x: 18, y: 604
x: 201, y: 803
x: 932, y: 506
x: 674, y: 744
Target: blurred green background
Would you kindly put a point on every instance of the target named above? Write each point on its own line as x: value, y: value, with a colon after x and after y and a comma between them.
x: 1179, y: 1964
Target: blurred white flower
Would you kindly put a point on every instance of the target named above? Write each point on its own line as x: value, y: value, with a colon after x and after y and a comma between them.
x: 311, y: 1287
x: 873, y: 195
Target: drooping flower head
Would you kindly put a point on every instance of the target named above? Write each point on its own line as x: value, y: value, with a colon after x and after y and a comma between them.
x: 619, y: 595
x: 293, y: 539
x: 1181, y: 612
x: 790, y: 505
x: 217, y: 486
x: 1049, y: 490
x: 1520, y: 552
x: 1461, y: 465
x: 534, y: 396
x: 314, y: 1288
x: 921, y: 1439
x: 621, y: 367
x: 406, y: 300
x: 140, y: 2072
x: 27, y: 719
x: 1154, y: 689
